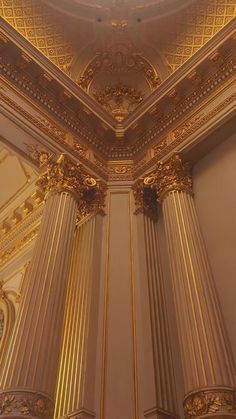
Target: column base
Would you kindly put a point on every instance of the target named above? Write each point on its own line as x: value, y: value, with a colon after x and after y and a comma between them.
x: 210, y: 403
x: 80, y: 414
x: 158, y: 413
x: 28, y: 404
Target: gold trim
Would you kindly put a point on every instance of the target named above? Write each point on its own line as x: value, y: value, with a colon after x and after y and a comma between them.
x: 133, y: 313
x: 105, y: 318
x: 170, y: 176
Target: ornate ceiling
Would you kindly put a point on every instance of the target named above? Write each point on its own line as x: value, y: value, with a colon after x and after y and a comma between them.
x: 118, y: 88
x: 118, y: 52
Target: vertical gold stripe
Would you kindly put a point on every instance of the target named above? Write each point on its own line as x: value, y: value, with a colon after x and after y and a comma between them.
x: 106, y: 303
x: 175, y: 265
x: 25, y: 315
x: 133, y: 313
x: 66, y: 327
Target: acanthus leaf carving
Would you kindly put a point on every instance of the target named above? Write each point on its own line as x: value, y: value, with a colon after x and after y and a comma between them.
x: 216, y: 400
x: 170, y: 176
x: 25, y: 403
x: 66, y: 175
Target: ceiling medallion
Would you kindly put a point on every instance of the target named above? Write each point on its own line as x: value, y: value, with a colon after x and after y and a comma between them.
x: 119, y: 100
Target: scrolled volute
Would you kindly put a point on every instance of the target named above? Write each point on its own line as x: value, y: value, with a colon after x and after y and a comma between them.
x: 170, y: 176
x: 145, y: 197
x: 65, y: 175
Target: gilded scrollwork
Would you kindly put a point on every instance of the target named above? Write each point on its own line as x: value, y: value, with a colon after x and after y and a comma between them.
x: 210, y: 401
x: 145, y: 199
x: 119, y: 58
x: 25, y: 403
x: 170, y: 176
x: 173, y: 175
x: 119, y: 100
x: 66, y: 175
x: 37, y: 154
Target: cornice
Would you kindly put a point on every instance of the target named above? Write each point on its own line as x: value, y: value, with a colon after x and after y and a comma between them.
x: 88, y: 109
x: 197, y: 99
x: 57, y: 74
x: 181, y: 73
x: 203, y: 93
x: 73, y: 89
x: 187, y: 102
x: 194, y: 129
x: 56, y: 134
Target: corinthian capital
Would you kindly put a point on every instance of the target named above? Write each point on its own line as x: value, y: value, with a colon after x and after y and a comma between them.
x: 170, y: 176
x: 66, y: 175
x: 145, y: 199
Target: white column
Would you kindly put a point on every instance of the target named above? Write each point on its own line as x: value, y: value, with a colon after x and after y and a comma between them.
x: 206, y: 356
x: 76, y: 384
x: 28, y: 376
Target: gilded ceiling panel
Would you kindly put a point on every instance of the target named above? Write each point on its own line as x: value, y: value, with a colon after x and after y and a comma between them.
x: 192, y: 28
x: 119, y: 66
x: 42, y: 26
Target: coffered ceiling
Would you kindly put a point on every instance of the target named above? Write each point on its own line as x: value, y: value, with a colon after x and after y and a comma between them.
x: 118, y: 52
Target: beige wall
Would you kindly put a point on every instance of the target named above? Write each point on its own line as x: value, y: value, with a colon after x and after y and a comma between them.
x: 117, y: 360
x: 215, y: 197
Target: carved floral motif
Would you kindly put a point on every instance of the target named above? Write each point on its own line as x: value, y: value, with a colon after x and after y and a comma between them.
x: 170, y: 176
x: 210, y: 401
x: 145, y: 199
x: 25, y: 403
x: 119, y: 58
x: 66, y: 175
x: 38, y: 154
x: 173, y: 175
x: 119, y: 100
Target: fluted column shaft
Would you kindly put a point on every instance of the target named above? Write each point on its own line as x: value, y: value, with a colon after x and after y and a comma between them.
x: 165, y: 385
x: 29, y: 372
x: 205, y: 352
x: 75, y: 388
x: 32, y: 359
